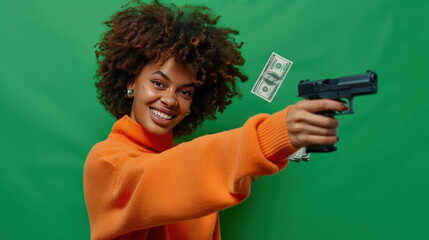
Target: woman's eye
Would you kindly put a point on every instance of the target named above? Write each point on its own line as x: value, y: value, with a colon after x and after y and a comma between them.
x: 186, y: 93
x: 158, y: 83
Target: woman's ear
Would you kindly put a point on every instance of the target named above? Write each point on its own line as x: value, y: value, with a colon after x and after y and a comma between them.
x: 130, y: 90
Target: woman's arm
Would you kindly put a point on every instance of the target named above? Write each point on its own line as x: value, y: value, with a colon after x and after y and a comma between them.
x: 132, y: 191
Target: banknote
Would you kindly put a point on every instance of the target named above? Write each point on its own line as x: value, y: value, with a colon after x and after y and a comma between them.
x: 271, y: 77
x: 300, y: 155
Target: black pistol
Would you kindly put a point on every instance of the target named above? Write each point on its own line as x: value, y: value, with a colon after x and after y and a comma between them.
x: 338, y: 89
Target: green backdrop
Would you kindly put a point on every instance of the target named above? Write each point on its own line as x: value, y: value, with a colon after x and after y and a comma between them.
x: 374, y: 187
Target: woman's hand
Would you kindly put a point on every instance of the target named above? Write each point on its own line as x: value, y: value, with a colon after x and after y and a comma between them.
x: 308, y: 128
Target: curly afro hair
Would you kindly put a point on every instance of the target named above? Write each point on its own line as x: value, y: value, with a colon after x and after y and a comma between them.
x: 144, y: 32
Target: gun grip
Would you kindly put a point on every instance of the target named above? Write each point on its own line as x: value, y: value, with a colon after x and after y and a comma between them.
x: 321, y: 148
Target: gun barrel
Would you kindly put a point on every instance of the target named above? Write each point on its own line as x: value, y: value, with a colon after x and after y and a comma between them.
x: 348, y: 86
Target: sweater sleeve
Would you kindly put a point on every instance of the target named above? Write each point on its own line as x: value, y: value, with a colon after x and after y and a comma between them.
x: 127, y: 192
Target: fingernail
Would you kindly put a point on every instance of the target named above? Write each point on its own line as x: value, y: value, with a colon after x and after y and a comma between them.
x: 338, y: 139
x: 345, y: 107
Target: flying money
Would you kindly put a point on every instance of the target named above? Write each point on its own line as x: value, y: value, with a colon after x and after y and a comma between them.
x: 271, y: 77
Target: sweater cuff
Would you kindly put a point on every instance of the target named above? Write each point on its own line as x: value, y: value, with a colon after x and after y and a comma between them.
x: 274, y: 137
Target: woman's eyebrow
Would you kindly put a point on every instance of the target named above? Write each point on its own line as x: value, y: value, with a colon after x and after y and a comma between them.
x: 189, y: 85
x: 162, y: 75
x: 168, y: 79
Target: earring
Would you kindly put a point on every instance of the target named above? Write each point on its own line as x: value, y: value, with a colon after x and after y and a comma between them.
x: 130, y: 93
x: 189, y: 112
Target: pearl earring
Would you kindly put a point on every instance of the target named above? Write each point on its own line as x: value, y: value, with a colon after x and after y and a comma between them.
x: 189, y: 112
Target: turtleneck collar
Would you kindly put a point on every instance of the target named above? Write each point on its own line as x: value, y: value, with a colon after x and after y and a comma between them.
x: 130, y: 132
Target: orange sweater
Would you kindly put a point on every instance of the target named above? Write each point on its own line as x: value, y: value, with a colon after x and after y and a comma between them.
x: 137, y: 186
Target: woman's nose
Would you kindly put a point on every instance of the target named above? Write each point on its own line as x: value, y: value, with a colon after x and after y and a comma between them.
x: 169, y: 99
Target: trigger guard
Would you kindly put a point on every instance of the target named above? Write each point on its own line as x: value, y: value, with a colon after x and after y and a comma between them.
x: 350, y: 105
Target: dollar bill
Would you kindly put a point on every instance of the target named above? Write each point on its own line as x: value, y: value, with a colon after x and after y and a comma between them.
x: 300, y: 155
x: 271, y: 77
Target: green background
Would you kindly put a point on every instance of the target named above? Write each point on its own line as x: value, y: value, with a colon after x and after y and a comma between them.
x: 374, y: 187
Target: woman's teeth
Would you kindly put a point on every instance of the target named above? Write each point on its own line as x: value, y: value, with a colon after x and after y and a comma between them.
x: 161, y: 115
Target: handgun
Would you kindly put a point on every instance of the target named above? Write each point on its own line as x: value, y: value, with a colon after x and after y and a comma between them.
x: 337, y: 89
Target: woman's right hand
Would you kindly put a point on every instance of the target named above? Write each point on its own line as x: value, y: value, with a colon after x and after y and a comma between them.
x: 306, y: 127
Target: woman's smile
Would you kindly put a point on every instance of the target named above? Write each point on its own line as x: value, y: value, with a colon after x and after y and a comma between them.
x: 161, y: 118
x: 161, y: 114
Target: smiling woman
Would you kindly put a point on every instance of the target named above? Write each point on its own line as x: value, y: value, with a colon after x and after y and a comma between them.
x: 162, y: 95
x: 153, y: 33
x: 162, y: 71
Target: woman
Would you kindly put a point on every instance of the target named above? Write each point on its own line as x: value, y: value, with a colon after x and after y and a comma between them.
x: 162, y: 71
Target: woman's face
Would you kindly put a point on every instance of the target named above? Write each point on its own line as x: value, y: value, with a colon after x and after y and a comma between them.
x: 162, y: 96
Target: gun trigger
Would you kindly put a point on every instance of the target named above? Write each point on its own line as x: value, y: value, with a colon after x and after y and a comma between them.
x: 350, y: 105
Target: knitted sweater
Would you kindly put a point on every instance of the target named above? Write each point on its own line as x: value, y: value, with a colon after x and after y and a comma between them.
x: 137, y: 186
